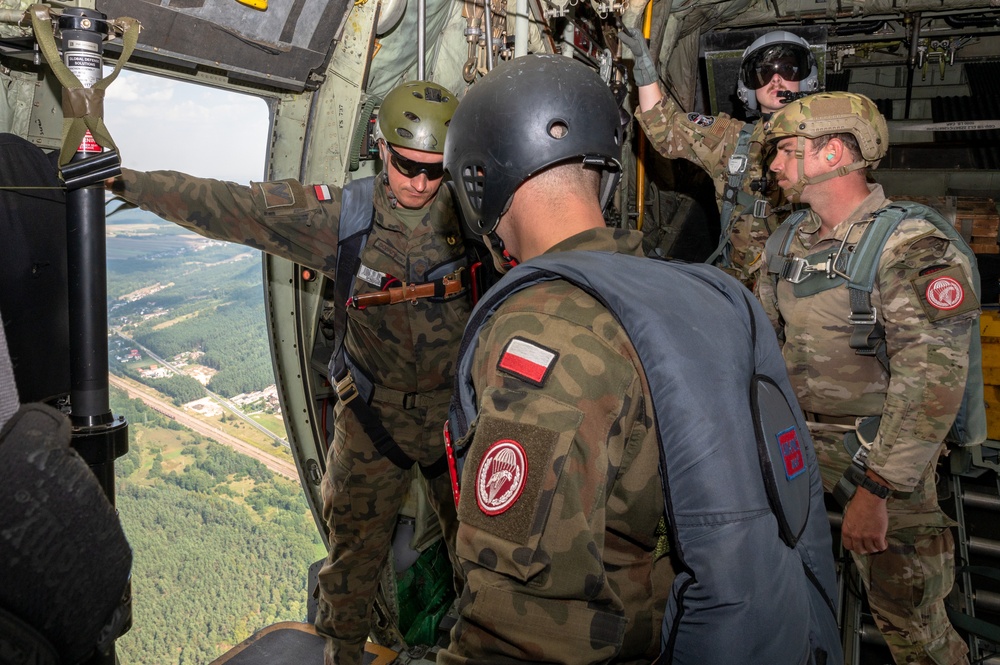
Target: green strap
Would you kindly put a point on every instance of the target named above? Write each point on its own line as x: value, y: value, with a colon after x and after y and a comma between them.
x: 359, y: 140
x: 777, y: 244
x: 868, y: 336
x: 731, y: 195
x: 83, y: 108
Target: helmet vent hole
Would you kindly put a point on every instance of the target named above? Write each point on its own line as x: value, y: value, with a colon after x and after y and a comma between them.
x: 404, y: 133
x: 558, y: 129
x: 411, y: 116
x: 473, y: 180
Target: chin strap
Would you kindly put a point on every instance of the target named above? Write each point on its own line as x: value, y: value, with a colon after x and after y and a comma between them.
x: 495, y: 247
x: 794, y: 192
x: 392, y: 197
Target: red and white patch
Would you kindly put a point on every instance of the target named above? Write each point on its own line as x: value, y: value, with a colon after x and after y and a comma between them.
x: 527, y: 360
x: 501, y: 476
x: 322, y: 192
x: 945, y: 293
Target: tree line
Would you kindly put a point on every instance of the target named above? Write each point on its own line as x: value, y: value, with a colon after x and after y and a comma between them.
x: 221, y: 548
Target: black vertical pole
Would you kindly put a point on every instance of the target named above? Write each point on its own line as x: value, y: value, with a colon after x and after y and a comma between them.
x: 98, y: 435
x: 82, y: 53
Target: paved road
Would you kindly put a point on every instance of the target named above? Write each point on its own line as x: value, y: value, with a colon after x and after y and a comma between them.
x: 276, y: 464
x: 222, y: 401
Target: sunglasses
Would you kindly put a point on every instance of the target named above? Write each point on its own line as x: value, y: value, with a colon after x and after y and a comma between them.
x: 412, y: 168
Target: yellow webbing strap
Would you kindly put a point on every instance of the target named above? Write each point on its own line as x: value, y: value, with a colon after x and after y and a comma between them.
x: 83, y: 108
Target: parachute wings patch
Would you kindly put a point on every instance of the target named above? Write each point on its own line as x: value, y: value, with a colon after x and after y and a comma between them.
x: 501, y: 476
x: 945, y: 293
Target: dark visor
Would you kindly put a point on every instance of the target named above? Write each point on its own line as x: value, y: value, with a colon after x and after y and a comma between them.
x: 412, y: 168
x: 789, y: 61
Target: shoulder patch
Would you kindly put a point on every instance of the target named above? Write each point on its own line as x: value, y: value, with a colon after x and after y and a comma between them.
x: 322, y: 192
x: 508, y: 505
x: 701, y: 120
x: 945, y: 293
x: 501, y: 476
x: 527, y: 361
x: 277, y: 194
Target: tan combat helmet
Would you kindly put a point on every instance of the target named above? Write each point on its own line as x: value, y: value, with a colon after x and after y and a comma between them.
x: 416, y: 115
x: 827, y: 113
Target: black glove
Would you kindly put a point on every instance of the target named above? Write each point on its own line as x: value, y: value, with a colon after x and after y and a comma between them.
x: 643, y: 71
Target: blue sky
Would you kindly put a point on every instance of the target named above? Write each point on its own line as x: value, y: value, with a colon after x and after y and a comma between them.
x: 160, y: 123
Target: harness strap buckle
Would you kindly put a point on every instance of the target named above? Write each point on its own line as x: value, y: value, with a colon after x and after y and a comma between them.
x: 346, y: 389
x: 863, y: 318
x: 796, y: 269
x: 761, y: 208
x: 737, y: 164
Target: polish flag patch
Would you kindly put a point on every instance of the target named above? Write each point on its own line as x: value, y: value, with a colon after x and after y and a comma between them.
x: 322, y: 192
x: 501, y: 476
x: 945, y: 293
x: 527, y: 361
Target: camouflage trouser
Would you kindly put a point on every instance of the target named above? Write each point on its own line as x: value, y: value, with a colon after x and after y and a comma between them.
x: 907, y: 583
x: 362, y: 494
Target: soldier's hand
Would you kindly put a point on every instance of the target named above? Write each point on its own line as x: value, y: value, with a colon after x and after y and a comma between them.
x: 643, y: 70
x: 865, y: 523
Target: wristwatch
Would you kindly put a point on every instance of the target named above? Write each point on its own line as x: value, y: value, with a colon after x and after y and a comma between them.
x: 855, y: 474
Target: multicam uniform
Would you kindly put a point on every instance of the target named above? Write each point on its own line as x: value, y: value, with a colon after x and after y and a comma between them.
x: 927, y: 342
x: 710, y: 142
x: 408, y: 350
x: 574, y: 556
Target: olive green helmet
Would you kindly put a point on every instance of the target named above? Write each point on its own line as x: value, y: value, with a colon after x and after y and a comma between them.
x: 826, y: 113
x: 416, y: 115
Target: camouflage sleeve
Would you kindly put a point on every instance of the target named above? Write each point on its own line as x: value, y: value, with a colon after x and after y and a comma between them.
x: 705, y: 140
x: 553, y: 395
x: 929, y: 308
x: 282, y: 217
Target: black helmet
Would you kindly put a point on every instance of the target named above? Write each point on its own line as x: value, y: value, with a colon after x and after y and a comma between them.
x: 522, y: 117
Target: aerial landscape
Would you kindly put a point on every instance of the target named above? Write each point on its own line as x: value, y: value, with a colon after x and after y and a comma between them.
x: 207, y: 494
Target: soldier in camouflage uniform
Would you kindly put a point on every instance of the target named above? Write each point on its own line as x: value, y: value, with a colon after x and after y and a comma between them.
x: 896, y: 532
x: 563, y: 529
x: 580, y: 579
x: 408, y: 349
x: 778, y: 62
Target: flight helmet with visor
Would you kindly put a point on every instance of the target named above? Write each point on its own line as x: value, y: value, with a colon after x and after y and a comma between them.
x: 778, y: 52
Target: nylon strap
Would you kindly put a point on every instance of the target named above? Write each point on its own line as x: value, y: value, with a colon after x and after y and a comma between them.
x: 83, y: 108
x: 777, y: 245
x: 868, y: 336
x: 731, y: 195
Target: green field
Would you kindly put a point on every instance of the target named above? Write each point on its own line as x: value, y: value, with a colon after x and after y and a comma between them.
x: 221, y: 544
x: 272, y: 423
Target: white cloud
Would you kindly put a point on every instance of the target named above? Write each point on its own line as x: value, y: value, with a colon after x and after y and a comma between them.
x: 161, y: 123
